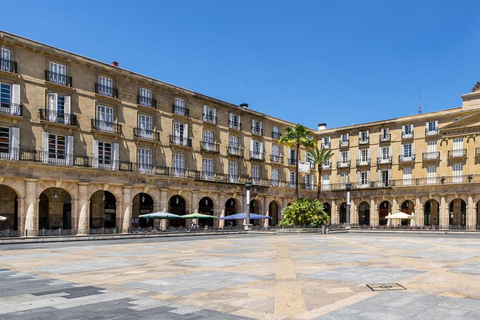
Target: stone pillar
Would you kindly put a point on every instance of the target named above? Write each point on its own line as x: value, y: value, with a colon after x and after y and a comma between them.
x: 164, y: 206
x: 444, y: 217
x: 127, y: 209
x: 335, y: 217
x: 266, y: 212
x: 419, y: 213
x: 470, y: 221
x: 221, y: 223
x: 21, y: 215
x: 83, y: 209
x: 373, y: 213
x: 31, y: 203
x: 395, y: 206
x: 354, y: 208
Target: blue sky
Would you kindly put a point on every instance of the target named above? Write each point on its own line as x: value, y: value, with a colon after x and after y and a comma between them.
x: 339, y: 62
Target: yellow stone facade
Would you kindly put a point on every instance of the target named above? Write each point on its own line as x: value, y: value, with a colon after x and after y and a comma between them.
x: 87, y: 146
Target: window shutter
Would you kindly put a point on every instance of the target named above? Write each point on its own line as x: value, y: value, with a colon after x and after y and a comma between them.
x: 348, y: 155
x: 261, y: 148
x: 52, y: 107
x: 260, y: 127
x: 389, y: 176
x: 69, y: 160
x: 359, y: 134
x: 413, y: 149
x: 239, y: 125
x: 14, y: 143
x: 67, y: 108
x: 230, y: 119
x: 389, y: 151
x: 367, y: 133
x: 95, y: 154
x: 403, y: 129
x: 251, y: 146
x: 368, y: 176
x: 359, y: 177
x: 116, y: 157
x: 402, y: 150
x: 185, y: 134
x: 45, y: 147
x: 359, y: 154
x: 253, y: 125
x: 426, y: 125
x: 204, y: 112
x: 436, y: 124
x: 411, y: 128
x: 15, y: 99
x: 214, y: 120
x: 379, y: 172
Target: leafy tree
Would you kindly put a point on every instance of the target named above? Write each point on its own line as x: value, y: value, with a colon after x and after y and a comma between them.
x: 320, y: 157
x: 305, y: 212
x: 294, y: 138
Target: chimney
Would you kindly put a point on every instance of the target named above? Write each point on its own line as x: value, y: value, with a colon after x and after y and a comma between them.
x: 244, y: 105
x: 115, y: 63
x: 322, y: 126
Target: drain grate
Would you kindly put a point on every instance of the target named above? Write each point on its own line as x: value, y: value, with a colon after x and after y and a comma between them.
x: 386, y: 287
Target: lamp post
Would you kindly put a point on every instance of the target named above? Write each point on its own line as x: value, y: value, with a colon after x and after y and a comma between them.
x: 248, y: 185
x: 348, y: 186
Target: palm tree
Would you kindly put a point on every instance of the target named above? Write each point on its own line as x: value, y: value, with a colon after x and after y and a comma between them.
x: 320, y: 157
x: 294, y: 138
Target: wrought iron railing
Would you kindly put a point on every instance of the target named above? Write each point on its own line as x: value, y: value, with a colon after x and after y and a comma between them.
x: 180, y: 141
x: 146, y: 134
x: 257, y: 155
x: 209, y: 118
x: 58, y: 117
x: 276, y: 135
x: 8, y: 65
x: 234, y: 125
x: 106, y: 91
x: 434, y: 155
x: 276, y: 158
x: 11, y: 108
x: 146, y: 102
x: 181, y: 111
x: 210, y: 147
x: 105, y: 126
x: 58, y: 78
x: 461, y: 153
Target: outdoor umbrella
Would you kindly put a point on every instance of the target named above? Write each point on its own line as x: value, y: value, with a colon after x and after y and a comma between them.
x: 3, y: 218
x: 160, y: 215
x: 398, y: 216
x: 243, y: 215
x: 197, y: 215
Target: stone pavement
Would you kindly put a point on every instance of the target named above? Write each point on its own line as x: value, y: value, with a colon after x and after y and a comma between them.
x: 291, y: 276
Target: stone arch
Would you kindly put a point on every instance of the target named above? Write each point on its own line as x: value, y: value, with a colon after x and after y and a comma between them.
x: 55, y: 209
x: 103, y: 210
x: 232, y: 206
x: 206, y: 206
x: 343, y: 212
x: 457, y: 211
x: 383, y: 209
x: 327, y: 207
x: 9, y: 208
x: 364, y: 213
x: 274, y: 212
x: 431, y: 213
x: 255, y: 208
x: 177, y: 205
x: 142, y: 203
x: 478, y: 216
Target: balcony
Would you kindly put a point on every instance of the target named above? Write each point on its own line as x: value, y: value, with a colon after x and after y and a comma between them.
x: 104, y: 126
x: 406, y: 158
x: 385, y: 137
x: 276, y: 158
x: 180, y: 141
x: 364, y: 140
x: 257, y: 156
x: 325, y: 145
x: 58, y: 78
x: 58, y: 117
x: 210, y: 147
x: 344, y: 144
x: 208, y: 118
x: 363, y: 162
x: 477, y: 153
x: 292, y: 161
x: 276, y: 135
x: 235, y: 125
x: 11, y: 108
x: 306, y: 186
x: 327, y: 165
x: 146, y: 134
x: 461, y: 153
x: 432, y: 132
x: 181, y: 111
x: 235, y: 151
x: 431, y: 156
x: 257, y: 131
x: 106, y: 91
x: 343, y: 164
x: 146, y: 102
x: 384, y: 160
x: 8, y: 65
x: 407, y: 135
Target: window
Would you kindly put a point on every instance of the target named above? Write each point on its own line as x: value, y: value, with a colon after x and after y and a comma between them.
x: 105, y: 86
x: 57, y: 73
x: 57, y: 149
x: 145, y: 126
x: 344, y: 157
x: 209, y: 114
x: 407, y: 131
x: 233, y: 171
x: 432, y: 150
x: 208, y: 143
x: 145, y: 97
x: 431, y: 174
x: 293, y: 156
x: 385, y: 152
x: 275, y: 133
x: 364, y: 178
x: 104, y: 118
x: 10, y: 99
x: 309, y: 182
x: 178, y: 165
x: 457, y: 172
x: 291, y: 182
x: 432, y: 126
x: 326, y: 142
x: 180, y: 134
x: 407, y: 152
x: 385, y: 133
x: 363, y: 137
x: 344, y: 179
x: 275, y: 154
x: 144, y: 160
x: 105, y: 155
x: 5, y: 59
x: 234, y: 121
x: 207, y: 169
x: 384, y: 177
x: 275, y: 177
x: 257, y: 127
x: 233, y: 146
x: 407, y: 176
x: 344, y: 137
x: 458, y: 147
x: 256, y: 149
x: 58, y: 108
x: 9, y: 143
x: 255, y: 174
x: 326, y: 182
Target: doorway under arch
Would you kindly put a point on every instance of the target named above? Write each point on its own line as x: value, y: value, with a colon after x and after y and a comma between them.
x: 9, y: 208
x: 274, y: 213
x: 458, y: 213
x: 55, y: 209
x: 177, y: 205
x: 103, y: 210
x: 383, y: 210
x: 142, y: 204
x: 430, y: 213
x: 343, y: 213
x: 364, y: 214
x: 205, y: 206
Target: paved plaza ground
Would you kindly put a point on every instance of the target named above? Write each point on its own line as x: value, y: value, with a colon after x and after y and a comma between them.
x: 251, y: 276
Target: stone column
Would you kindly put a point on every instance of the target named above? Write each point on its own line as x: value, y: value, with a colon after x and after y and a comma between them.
x: 470, y: 219
x: 266, y: 212
x: 83, y: 209
x: 419, y: 213
x: 164, y: 206
x: 21, y: 215
x: 31, y: 203
x: 127, y: 209
x: 354, y: 208
x: 395, y: 208
x: 444, y: 218
x: 373, y: 213
x: 335, y: 217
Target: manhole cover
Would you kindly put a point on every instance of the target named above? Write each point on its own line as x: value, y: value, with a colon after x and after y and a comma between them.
x: 386, y: 287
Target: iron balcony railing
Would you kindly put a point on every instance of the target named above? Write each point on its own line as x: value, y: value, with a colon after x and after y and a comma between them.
x: 344, y: 144
x: 325, y: 145
x: 363, y: 162
x: 276, y: 158
x: 235, y: 151
x: 461, y: 153
x: 384, y: 137
x: 105, y: 126
x: 431, y: 132
x: 146, y: 134
x: 384, y: 160
x: 180, y: 141
x: 58, y: 117
x: 327, y: 165
x: 257, y: 155
x: 8, y: 65
x: 234, y: 125
x: 209, y: 118
x: 364, y: 140
x: 343, y: 164
x: 434, y: 155
x: 407, y: 135
x: 406, y: 158
x: 181, y: 111
x: 58, y: 78
x: 210, y: 147
x: 276, y: 135
x: 11, y: 108
x: 146, y: 102
x: 292, y: 161
x: 106, y: 91
x: 257, y: 131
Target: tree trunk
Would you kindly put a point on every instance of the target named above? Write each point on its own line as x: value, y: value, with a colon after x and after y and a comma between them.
x: 296, y: 172
x: 319, y: 180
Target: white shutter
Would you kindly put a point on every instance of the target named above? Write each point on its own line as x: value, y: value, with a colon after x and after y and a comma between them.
x: 413, y: 149
x: 230, y: 120
x: 69, y: 160
x: 389, y: 176
x: 426, y: 125
x: 116, y: 156
x: 379, y: 172
x: 390, y: 151
x: 359, y: 177
x: 367, y: 133
x: 45, y: 147
x: 185, y: 134
x: 52, y: 107
x: 67, y: 108
x: 368, y: 176
x: 436, y: 124
x: 253, y: 125
x: 380, y: 153
x: 204, y: 112
x: 15, y: 109
x: 403, y: 129
x: 359, y: 157
x: 348, y: 155
x: 360, y: 135
x: 402, y: 150
x: 251, y: 147
x: 214, y: 120
x: 95, y: 154
x: 14, y: 143
x: 260, y: 148
x: 260, y: 127
x: 239, y: 125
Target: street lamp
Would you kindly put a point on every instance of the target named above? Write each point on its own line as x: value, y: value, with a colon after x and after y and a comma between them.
x: 348, y: 186
x: 248, y: 185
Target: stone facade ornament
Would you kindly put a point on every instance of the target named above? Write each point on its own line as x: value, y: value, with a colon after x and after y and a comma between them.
x: 476, y: 88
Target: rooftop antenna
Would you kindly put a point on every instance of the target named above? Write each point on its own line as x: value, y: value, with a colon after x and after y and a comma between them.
x: 419, y: 101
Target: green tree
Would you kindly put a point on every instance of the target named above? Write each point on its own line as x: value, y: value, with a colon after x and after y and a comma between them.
x: 320, y: 157
x: 294, y: 138
x: 305, y: 212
